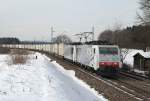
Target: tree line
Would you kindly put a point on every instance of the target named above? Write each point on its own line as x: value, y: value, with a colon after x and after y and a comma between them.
x: 9, y: 40
x: 130, y: 37
x: 136, y: 36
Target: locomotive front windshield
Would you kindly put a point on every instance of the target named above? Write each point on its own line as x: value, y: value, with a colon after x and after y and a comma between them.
x: 108, y: 50
x: 109, y: 54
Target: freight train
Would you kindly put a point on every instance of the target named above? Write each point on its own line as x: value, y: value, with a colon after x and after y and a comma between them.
x: 103, y: 58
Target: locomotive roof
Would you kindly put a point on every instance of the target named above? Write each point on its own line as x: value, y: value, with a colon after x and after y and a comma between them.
x: 92, y: 43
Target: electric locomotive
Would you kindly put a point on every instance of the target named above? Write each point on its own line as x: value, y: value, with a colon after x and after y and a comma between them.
x: 103, y: 58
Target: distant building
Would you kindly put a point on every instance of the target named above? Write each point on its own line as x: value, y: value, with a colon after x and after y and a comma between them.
x: 142, y: 61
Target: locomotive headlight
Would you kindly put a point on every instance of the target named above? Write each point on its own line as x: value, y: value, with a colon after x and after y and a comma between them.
x: 101, y: 63
x: 115, y: 63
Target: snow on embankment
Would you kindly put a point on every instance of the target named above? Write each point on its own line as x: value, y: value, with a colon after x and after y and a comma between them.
x: 40, y: 80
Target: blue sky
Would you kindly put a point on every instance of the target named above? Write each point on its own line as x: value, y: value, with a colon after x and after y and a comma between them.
x: 32, y: 19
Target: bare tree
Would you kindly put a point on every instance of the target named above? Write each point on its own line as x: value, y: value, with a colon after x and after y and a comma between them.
x: 62, y: 39
x: 106, y: 35
x: 144, y: 17
x: 124, y: 53
x: 117, y: 26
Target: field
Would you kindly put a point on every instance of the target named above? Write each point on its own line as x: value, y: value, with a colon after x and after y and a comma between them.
x: 34, y: 77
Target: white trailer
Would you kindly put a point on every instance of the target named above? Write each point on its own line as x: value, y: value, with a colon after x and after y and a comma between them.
x: 68, y: 52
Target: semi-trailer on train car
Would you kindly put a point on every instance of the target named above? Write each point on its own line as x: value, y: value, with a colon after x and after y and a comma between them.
x: 101, y: 57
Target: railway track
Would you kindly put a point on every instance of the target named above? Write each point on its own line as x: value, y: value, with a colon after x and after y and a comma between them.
x: 123, y: 86
x: 131, y: 88
x: 118, y: 90
x: 135, y: 76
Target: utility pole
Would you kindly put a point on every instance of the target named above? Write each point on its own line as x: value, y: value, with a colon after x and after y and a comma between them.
x: 93, y: 31
x: 52, y: 31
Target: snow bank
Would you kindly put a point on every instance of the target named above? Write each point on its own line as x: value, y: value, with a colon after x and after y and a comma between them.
x: 40, y: 80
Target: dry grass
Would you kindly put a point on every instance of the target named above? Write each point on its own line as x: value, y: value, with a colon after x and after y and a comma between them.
x: 19, y: 59
x: 19, y: 56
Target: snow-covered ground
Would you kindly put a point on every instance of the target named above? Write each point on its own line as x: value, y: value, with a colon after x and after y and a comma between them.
x: 42, y: 80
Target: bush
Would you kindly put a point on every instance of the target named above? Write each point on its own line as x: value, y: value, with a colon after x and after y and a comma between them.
x: 19, y: 59
x: 19, y: 56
